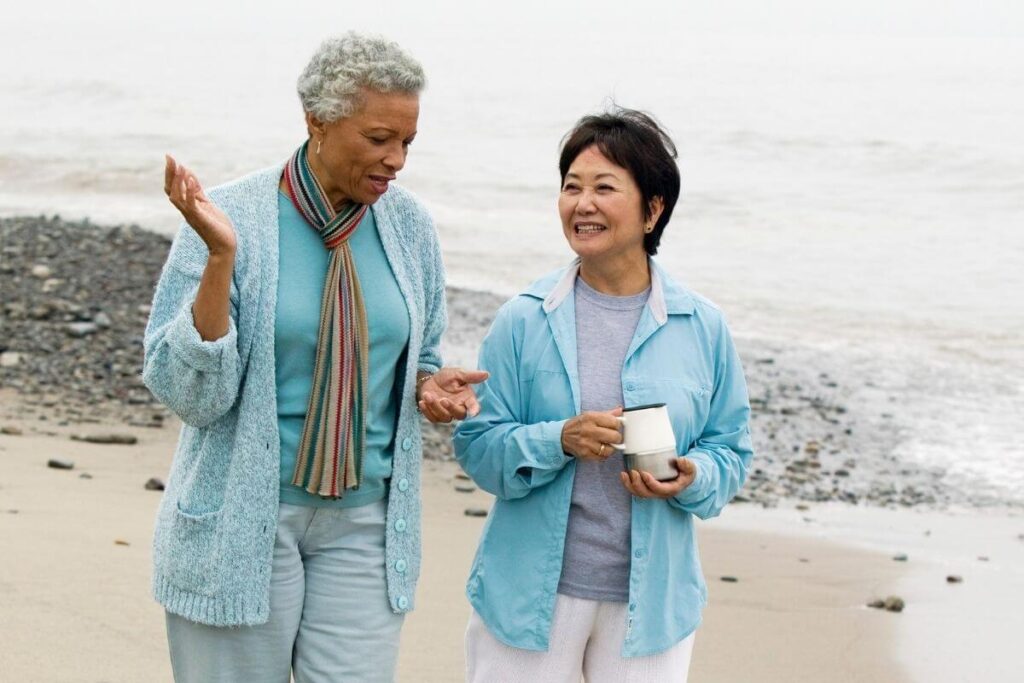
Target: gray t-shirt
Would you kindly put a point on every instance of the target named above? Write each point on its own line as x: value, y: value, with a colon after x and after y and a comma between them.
x: 595, y: 565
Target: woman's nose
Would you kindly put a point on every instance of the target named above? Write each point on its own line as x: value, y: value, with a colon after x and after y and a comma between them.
x: 395, y: 158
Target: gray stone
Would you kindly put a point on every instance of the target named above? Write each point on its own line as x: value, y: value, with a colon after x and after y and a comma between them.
x: 465, y: 488
x: 41, y: 271
x: 10, y: 359
x: 121, y: 439
x: 11, y: 430
x: 730, y: 579
x: 154, y: 484
x: 475, y: 512
x: 81, y: 329
x: 58, y: 464
x: 901, y: 557
x: 954, y: 578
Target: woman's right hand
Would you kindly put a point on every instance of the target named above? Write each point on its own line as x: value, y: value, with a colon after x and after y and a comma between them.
x: 213, y: 225
x: 590, y: 434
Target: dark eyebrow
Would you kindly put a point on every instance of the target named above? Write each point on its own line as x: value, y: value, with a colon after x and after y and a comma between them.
x: 575, y: 176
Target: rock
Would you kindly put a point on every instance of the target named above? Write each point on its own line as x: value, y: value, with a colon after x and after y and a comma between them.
x: 12, y: 511
x: 81, y: 329
x: 901, y: 557
x: 41, y: 271
x: 121, y: 439
x: 51, y: 284
x: 11, y: 430
x: 462, y: 475
x: 10, y: 359
x: 812, y: 447
x: 58, y: 464
x: 730, y: 579
x: 154, y: 484
x: 475, y: 512
x: 102, y: 320
x: 85, y: 475
x: 982, y: 558
x: 893, y: 603
x: 465, y: 488
x: 954, y: 578
x: 803, y: 507
x: 121, y: 542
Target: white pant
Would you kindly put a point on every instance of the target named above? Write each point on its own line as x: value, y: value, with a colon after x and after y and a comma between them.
x: 329, y: 614
x: 586, y: 639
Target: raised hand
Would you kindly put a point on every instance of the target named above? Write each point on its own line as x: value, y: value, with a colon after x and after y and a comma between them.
x: 448, y: 395
x: 590, y: 434
x: 213, y: 226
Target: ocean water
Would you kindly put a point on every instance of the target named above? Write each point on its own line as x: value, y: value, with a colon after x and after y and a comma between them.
x: 853, y: 176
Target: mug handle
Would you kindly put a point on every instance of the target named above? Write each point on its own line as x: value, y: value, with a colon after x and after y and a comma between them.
x: 620, y: 446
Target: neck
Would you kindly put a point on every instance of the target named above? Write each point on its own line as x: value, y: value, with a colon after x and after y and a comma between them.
x: 622, y: 276
x: 334, y: 195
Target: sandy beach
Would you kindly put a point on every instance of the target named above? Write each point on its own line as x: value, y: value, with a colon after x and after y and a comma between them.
x: 75, y: 604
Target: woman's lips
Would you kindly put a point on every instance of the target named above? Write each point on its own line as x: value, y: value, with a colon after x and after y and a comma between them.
x: 380, y: 183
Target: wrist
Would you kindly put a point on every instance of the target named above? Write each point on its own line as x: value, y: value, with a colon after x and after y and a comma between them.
x: 420, y: 381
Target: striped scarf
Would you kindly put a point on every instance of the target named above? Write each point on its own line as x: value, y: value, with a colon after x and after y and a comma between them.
x: 329, y: 460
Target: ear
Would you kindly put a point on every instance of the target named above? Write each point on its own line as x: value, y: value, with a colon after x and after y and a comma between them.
x: 314, y: 126
x: 657, y: 205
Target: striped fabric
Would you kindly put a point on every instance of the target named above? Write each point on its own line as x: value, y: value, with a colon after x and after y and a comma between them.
x: 329, y: 460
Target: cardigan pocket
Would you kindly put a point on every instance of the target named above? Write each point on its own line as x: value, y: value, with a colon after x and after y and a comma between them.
x: 194, y: 557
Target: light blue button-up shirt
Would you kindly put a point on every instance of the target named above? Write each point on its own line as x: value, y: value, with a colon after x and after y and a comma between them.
x: 681, y: 354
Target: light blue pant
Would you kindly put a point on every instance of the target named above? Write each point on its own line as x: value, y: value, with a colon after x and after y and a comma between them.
x: 329, y: 614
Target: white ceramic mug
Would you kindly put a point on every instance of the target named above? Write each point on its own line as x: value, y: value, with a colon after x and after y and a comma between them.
x: 648, y: 443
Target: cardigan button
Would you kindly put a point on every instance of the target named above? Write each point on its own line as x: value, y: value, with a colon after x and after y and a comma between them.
x: 400, y: 524
x: 403, y: 484
x: 407, y: 443
x: 401, y: 566
x: 403, y: 602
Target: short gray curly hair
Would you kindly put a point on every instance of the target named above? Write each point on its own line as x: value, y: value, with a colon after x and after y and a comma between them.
x: 331, y: 85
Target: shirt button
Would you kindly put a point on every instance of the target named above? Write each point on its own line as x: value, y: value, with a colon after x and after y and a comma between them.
x: 632, y: 606
x: 630, y: 386
x: 400, y: 524
x: 400, y: 566
x: 407, y: 443
x: 403, y: 602
x: 403, y: 484
x: 638, y: 554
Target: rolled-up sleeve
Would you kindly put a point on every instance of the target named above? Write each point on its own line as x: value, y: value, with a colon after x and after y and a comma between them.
x: 198, y: 380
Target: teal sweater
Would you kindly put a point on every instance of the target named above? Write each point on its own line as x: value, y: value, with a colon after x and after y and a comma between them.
x: 302, y: 268
x: 215, y: 529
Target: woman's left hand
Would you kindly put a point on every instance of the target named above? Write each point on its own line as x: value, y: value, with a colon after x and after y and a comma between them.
x: 448, y: 394
x: 644, y: 485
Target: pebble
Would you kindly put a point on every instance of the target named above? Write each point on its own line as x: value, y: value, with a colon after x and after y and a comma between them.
x: 122, y: 439
x: 982, y: 558
x: 954, y: 578
x: 11, y: 430
x: 121, y: 542
x: 475, y: 512
x: 10, y: 359
x: 81, y: 329
x: 890, y: 604
x: 730, y: 579
x: 462, y: 475
x: 58, y: 464
x: 902, y: 557
x: 154, y: 484
x: 85, y: 475
x: 465, y: 488
x: 41, y: 271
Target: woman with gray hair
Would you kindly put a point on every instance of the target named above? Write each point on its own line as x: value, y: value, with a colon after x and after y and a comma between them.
x: 295, y: 330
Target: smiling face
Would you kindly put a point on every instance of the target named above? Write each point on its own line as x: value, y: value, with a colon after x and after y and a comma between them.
x: 360, y: 154
x: 601, y: 209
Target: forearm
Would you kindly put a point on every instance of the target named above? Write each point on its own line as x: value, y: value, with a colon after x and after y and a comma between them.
x: 212, y: 307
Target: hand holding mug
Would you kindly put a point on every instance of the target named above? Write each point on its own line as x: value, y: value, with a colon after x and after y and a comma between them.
x: 592, y: 435
x: 644, y: 485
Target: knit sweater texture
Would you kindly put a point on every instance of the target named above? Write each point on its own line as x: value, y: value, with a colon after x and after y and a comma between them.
x: 215, y: 530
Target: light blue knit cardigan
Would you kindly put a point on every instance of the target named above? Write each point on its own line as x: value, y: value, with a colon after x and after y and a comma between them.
x: 215, y: 529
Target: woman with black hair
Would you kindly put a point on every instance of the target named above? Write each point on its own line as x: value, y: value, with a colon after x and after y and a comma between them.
x: 586, y: 568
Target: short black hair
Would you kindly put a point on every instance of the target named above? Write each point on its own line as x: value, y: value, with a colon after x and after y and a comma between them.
x: 633, y: 140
